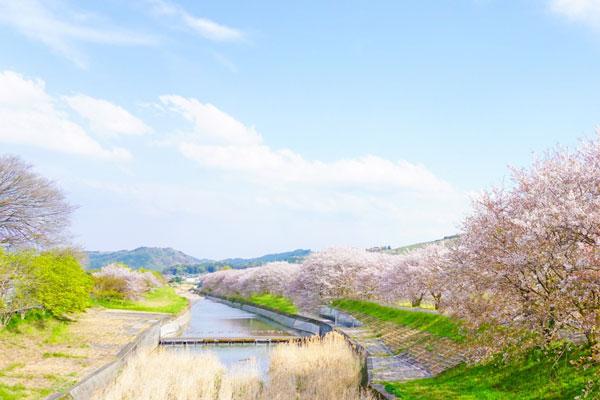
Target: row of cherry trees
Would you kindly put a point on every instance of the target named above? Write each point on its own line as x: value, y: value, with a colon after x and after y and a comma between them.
x: 341, y: 272
x: 525, y: 270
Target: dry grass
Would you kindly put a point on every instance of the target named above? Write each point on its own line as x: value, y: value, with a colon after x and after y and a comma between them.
x: 44, y: 356
x: 319, y: 369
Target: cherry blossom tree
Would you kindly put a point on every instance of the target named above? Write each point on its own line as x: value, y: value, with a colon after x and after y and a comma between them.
x: 337, y: 272
x: 529, y: 254
x: 136, y: 282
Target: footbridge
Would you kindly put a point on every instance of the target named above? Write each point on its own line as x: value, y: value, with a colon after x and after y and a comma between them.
x: 194, y: 341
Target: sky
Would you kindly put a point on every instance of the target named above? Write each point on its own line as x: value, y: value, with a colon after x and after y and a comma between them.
x: 237, y: 128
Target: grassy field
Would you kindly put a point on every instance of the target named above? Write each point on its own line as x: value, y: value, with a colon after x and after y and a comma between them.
x: 536, y: 376
x: 273, y: 301
x: 25, y: 336
x: 433, y: 323
x: 41, y: 355
x: 163, y: 300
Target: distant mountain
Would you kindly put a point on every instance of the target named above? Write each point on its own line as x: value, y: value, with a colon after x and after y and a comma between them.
x: 295, y: 256
x: 154, y: 258
x: 289, y: 256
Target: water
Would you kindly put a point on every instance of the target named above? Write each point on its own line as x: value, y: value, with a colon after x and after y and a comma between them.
x: 210, y: 319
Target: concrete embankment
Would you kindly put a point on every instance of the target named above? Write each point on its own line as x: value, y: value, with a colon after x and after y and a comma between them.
x: 178, y: 325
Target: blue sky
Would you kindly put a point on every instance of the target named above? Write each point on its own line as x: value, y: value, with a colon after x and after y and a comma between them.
x: 240, y: 128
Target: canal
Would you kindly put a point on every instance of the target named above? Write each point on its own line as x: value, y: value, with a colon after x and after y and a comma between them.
x: 210, y: 319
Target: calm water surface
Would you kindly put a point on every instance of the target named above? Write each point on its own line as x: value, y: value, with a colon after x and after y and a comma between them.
x: 210, y: 319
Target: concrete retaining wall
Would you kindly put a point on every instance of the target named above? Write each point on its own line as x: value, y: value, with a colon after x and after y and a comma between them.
x: 379, y: 392
x: 146, y: 341
x: 176, y: 326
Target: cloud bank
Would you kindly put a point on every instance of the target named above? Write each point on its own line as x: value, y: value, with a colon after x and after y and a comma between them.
x: 30, y: 116
x: 219, y: 141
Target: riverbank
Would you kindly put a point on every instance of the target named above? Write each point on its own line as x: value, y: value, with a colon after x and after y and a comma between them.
x: 41, y: 357
x: 163, y: 300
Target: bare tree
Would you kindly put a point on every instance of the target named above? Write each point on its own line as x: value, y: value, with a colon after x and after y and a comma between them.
x: 33, y: 209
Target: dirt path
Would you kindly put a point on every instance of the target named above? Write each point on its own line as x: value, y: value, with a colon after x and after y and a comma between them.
x: 50, y: 358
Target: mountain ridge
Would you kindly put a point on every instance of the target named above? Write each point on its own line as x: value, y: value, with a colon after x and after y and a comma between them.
x: 154, y: 258
x: 165, y: 258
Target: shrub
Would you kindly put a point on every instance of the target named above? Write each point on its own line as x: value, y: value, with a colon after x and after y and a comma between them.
x: 136, y: 282
x: 109, y: 287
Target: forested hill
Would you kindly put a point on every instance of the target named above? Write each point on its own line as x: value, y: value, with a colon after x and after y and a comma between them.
x: 154, y: 258
x: 295, y: 256
x: 289, y: 256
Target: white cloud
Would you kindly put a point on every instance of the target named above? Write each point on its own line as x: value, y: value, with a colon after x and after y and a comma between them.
x: 204, y: 27
x: 211, y: 30
x: 587, y: 11
x: 106, y: 118
x: 30, y: 116
x: 221, y: 142
x: 35, y: 20
x: 212, y: 125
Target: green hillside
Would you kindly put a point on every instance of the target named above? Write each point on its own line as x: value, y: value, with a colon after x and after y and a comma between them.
x: 154, y: 258
x: 404, y: 249
x: 289, y: 256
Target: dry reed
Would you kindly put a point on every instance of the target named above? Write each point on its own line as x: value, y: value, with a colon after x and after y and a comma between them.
x: 318, y: 369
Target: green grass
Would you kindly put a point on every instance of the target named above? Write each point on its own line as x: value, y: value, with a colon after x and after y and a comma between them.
x: 60, y: 355
x: 12, y: 392
x: 273, y: 301
x: 535, y: 376
x: 433, y: 323
x: 38, y: 325
x: 163, y: 299
x: 18, y: 392
x: 424, y: 306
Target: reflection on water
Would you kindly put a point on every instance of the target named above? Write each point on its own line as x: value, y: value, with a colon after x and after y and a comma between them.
x: 210, y: 319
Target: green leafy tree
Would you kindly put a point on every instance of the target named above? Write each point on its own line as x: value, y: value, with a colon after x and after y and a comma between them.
x: 62, y: 286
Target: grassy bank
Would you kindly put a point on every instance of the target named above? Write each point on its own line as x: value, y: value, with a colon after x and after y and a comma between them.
x: 273, y: 301
x: 163, y: 299
x: 433, y: 323
x: 536, y: 376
